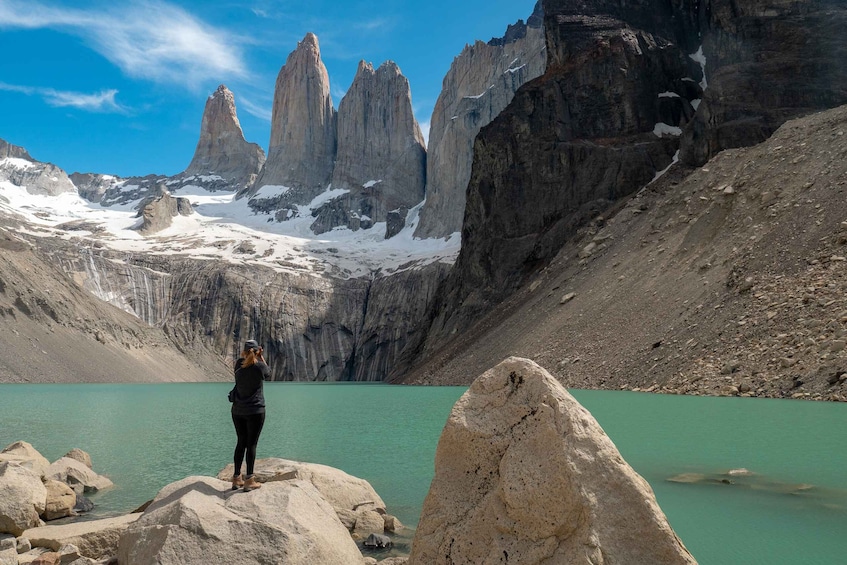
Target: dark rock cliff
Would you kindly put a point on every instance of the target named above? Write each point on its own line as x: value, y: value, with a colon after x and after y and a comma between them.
x: 621, y: 94
x: 312, y: 328
x: 766, y: 62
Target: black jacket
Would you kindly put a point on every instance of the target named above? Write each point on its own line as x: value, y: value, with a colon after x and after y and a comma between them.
x: 249, y: 395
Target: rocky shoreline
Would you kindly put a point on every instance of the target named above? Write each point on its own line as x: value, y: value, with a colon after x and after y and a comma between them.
x: 523, y: 474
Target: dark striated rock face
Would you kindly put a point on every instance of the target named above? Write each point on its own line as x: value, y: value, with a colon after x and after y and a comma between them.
x: 480, y: 83
x: 222, y: 149
x: 569, y: 144
x: 766, y: 62
x: 621, y: 93
x: 381, y: 156
x: 303, y: 126
x: 312, y: 328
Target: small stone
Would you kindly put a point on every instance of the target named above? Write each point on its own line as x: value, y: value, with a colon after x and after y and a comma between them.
x: 7, y: 542
x: 567, y: 298
x: 23, y: 545
x: 745, y: 387
x: 392, y: 524
x: 730, y: 367
x: 588, y: 250
x: 49, y: 558
x: 786, y: 362
x: 837, y: 345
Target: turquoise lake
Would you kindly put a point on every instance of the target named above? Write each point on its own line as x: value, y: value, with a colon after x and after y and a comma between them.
x: 146, y: 436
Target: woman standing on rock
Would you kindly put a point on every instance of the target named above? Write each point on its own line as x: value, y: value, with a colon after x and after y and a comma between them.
x: 248, y: 410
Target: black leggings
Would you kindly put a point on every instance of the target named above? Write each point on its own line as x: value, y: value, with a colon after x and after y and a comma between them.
x: 248, y: 429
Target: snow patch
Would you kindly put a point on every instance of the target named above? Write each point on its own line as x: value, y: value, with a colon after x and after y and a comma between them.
x: 270, y: 191
x: 371, y: 183
x: 16, y: 163
x: 516, y: 69
x: 659, y: 174
x: 669, y: 94
x: 662, y: 129
x: 699, y: 57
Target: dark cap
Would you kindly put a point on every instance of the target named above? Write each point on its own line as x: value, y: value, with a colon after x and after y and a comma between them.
x: 251, y: 344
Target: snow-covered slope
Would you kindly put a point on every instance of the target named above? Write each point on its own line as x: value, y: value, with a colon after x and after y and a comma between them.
x: 221, y: 227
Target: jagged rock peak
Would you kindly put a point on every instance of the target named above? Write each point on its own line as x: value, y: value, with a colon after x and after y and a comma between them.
x: 381, y: 157
x: 20, y: 169
x: 518, y: 30
x: 481, y: 82
x: 222, y: 149
x: 303, y: 127
x: 14, y: 151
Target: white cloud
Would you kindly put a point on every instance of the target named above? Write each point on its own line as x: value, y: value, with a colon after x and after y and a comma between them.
x: 149, y: 39
x: 103, y: 101
x: 262, y: 112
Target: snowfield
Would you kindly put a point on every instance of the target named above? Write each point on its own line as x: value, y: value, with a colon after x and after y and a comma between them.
x: 225, y: 228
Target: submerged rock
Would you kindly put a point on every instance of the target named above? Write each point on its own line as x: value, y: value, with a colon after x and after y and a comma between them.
x: 524, y: 474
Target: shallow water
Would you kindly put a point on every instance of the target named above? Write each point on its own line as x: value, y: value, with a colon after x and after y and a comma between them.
x: 145, y: 436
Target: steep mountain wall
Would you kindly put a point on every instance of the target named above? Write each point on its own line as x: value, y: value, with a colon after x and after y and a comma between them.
x: 766, y: 62
x: 52, y: 330
x: 312, y: 328
x: 621, y: 93
x: 303, y: 126
x: 569, y: 144
x: 481, y: 82
x: 381, y: 158
x: 222, y: 149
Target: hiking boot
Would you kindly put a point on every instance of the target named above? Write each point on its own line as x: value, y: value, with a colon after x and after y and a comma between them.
x: 251, y: 484
x: 237, y: 482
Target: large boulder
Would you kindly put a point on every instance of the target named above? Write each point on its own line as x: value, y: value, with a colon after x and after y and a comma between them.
x: 25, y: 454
x: 77, y: 475
x: 524, y: 474
x: 60, y: 502
x: 22, y: 498
x: 200, y: 520
x: 344, y: 492
x: 81, y: 456
x: 94, y: 538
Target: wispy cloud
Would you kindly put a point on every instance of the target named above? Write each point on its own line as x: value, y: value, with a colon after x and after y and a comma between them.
x: 258, y: 110
x: 149, y: 39
x: 337, y: 92
x: 103, y: 101
x: 376, y: 24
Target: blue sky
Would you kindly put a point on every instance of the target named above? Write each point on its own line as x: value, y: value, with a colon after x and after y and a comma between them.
x: 119, y: 87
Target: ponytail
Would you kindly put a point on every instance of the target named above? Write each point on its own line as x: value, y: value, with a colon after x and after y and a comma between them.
x: 250, y: 357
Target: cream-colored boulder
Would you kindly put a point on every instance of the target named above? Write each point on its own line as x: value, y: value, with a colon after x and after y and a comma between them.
x: 80, y: 456
x: 524, y: 474
x: 94, y: 538
x: 200, y: 520
x: 342, y: 491
x: 76, y: 475
x: 22, y: 498
x: 368, y: 522
x: 25, y: 454
x: 60, y: 502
